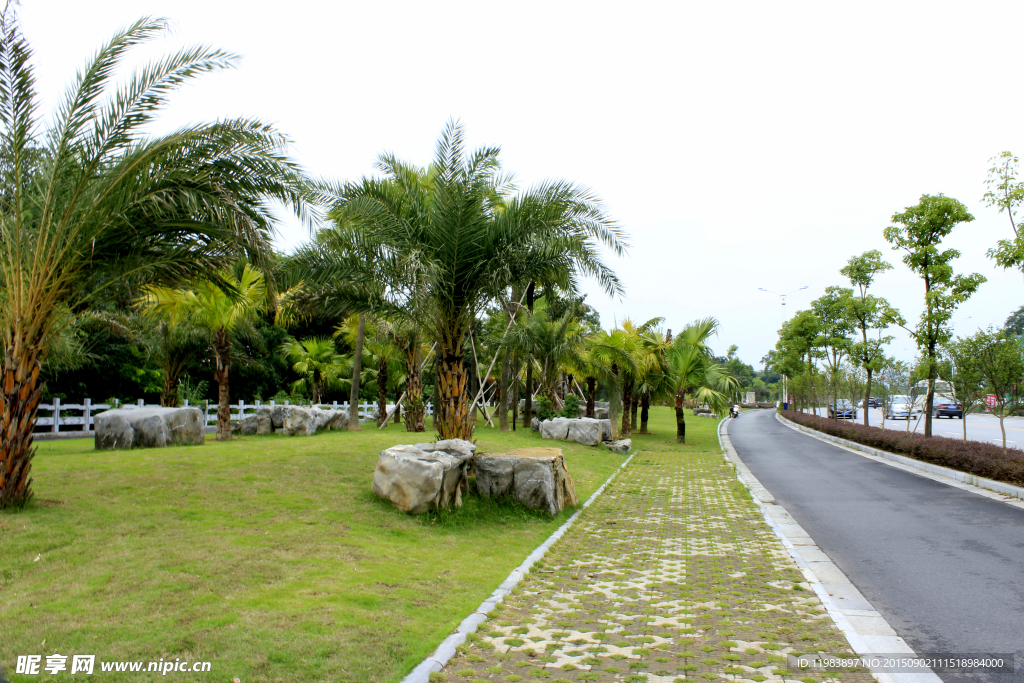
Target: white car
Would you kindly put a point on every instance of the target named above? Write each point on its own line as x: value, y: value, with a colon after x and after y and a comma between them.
x: 902, y: 408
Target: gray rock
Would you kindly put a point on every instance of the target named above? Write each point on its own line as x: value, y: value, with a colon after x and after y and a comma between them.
x: 149, y: 427
x: 535, y: 425
x: 417, y: 481
x: 586, y: 430
x: 536, y: 477
x: 300, y: 421
x: 335, y: 419
x: 620, y: 446
x: 607, y: 431
x: 600, y: 413
x: 247, y: 426
x: 556, y: 428
x: 277, y: 415
x: 264, y: 421
x: 466, y: 448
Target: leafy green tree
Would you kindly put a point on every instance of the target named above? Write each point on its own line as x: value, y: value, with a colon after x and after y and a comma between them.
x: 893, y: 378
x: 1001, y: 362
x: 224, y: 311
x: 919, y: 233
x: 868, y: 313
x: 1007, y: 194
x: 962, y: 368
x: 92, y: 200
x: 1015, y: 322
x: 442, y: 243
x: 797, y: 349
x: 835, y: 327
x: 318, y: 362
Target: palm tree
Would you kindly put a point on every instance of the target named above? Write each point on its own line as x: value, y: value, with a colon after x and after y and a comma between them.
x: 641, y: 348
x: 607, y: 357
x: 221, y: 310
x: 653, y: 382
x: 693, y: 370
x: 553, y: 344
x: 440, y: 244
x: 319, y: 363
x: 91, y: 200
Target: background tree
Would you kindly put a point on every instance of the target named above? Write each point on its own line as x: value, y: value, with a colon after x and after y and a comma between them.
x: 1001, y: 363
x: 318, y: 362
x: 1015, y: 322
x: 892, y: 376
x: 868, y: 313
x: 1007, y: 194
x: 91, y: 200
x: 796, y: 350
x: 357, y: 368
x: 835, y: 326
x: 962, y: 368
x: 223, y: 311
x: 919, y: 235
x: 442, y: 243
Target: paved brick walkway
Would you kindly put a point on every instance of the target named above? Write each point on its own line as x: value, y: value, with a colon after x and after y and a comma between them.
x: 672, y: 574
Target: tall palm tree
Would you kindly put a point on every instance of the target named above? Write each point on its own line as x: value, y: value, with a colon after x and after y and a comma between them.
x: 222, y: 310
x: 640, y: 345
x: 441, y: 243
x: 319, y: 363
x: 89, y: 199
x: 653, y: 381
x: 693, y: 370
x: 553, y: 344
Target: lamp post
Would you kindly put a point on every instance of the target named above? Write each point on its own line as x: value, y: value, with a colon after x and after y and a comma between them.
x: 785, y: 380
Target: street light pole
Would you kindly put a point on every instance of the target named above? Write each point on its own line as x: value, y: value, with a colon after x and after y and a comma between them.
x: 785, y: 379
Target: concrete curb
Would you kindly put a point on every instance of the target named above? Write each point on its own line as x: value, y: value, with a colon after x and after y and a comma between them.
x: 990, y: 488
x: 866, y: 629
x: 446, y: 650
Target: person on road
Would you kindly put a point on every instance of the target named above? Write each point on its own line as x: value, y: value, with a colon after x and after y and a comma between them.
x: 735, y: 410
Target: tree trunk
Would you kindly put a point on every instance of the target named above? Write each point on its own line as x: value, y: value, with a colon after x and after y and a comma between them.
x: 1002, y: 427
x: 169, y: 395
x: 398, y: 407
x: 19, y: 403
x: 222, y: 356
x: 627, y: 406
x: 931, y: 391
x: 315, y: 381
x: 451, y: 404
x: 591, y: 395
x: 528, y: 399
x: 357, y: 368
x: 680, y: 419
x: 614, y: 401
x: 382, y: 391
x: 633, y: 407
x: 515, y: 390
x: 645, y: 406
x: 413, y: 390
x: 503, y: 392
x: 867, y: 395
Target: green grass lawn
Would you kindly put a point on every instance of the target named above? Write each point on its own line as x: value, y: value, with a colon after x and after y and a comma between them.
x: 268, y: 556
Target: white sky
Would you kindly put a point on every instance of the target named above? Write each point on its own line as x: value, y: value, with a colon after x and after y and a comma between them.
x: 741, y: 144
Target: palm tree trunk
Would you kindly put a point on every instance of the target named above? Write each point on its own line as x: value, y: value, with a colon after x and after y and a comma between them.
x: 680, y: 419
x: 614, y: 401
x: 172, y: 373
x: 382, y: 391
x: 413, y: 390
x: 222, y: 356
x: 633, y: 407
x: 451, y: 407
x: 357, y: 368
x: 515, y: 390
x: 503, y: 392
x: 645, y: 409
x: 19, y: 403
x: 398, y: 407
x: 315, y: 381
x: 528, y: 399
x: 591, y: 395
x: 627, y: 406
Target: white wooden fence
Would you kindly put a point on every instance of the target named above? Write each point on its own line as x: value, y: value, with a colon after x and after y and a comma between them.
x: 81, y: 417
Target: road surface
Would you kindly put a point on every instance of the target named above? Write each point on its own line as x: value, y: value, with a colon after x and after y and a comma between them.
x: 944, y: 566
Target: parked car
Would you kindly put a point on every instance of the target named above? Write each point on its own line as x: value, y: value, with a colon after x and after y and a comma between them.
x: 870, y: 403
x: 842, y: 409
x: 944, y: 406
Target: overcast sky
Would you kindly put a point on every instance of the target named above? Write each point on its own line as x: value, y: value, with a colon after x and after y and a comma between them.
x: 741, y: 144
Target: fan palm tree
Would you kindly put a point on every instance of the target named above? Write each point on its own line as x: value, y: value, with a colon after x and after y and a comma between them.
x: 319, y: 363
x: 653, y: 382
x: 221, y: 310
x: 554, y: 344
x: 693, y: 370
x: 90, y: 199
x: 607, y: 357
x: 639, y: 342
x: 441, y: 243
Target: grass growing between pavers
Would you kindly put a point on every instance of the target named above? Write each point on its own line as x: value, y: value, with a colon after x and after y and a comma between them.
x: 672, y: 575
x: 268, y: 556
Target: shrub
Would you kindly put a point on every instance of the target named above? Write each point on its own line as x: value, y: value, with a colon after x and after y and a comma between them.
x: 545, y: 411
x: 572, y: 406
x: 974, y: 457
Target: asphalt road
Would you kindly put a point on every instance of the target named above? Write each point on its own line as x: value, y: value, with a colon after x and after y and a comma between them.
x: 944, y: 566
x: 980, y: 427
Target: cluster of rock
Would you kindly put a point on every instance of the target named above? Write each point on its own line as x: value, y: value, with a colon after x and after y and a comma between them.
x: 291, y: 420
x: 584, y: 430
x: 425, y: 476
x: 152, y: 427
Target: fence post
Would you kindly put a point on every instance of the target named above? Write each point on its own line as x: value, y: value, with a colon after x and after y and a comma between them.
x: 88, y: 415
x: 186, y: 403
x: 141, y: 403
x: 286, y: 401
x: 56, y: 416
x: 241, y: 409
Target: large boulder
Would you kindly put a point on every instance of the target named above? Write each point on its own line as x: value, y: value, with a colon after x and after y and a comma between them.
x: 247, y: 425
x: 587, y: 431
x: 607, y: 429
x: 536, y: 477
x: 149, y: 427
x: 556, y: 428
x: 298, y: 420
x: 620, y: 446
x: 417, y: 481
x: 535, y: 424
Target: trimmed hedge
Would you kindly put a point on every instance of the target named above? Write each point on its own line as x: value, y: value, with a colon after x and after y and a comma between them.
x: 974, y: 457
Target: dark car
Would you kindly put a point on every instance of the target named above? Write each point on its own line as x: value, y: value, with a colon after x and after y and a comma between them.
x: 946, y: 407
x: 842, y: 409
x: 871, y: 403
